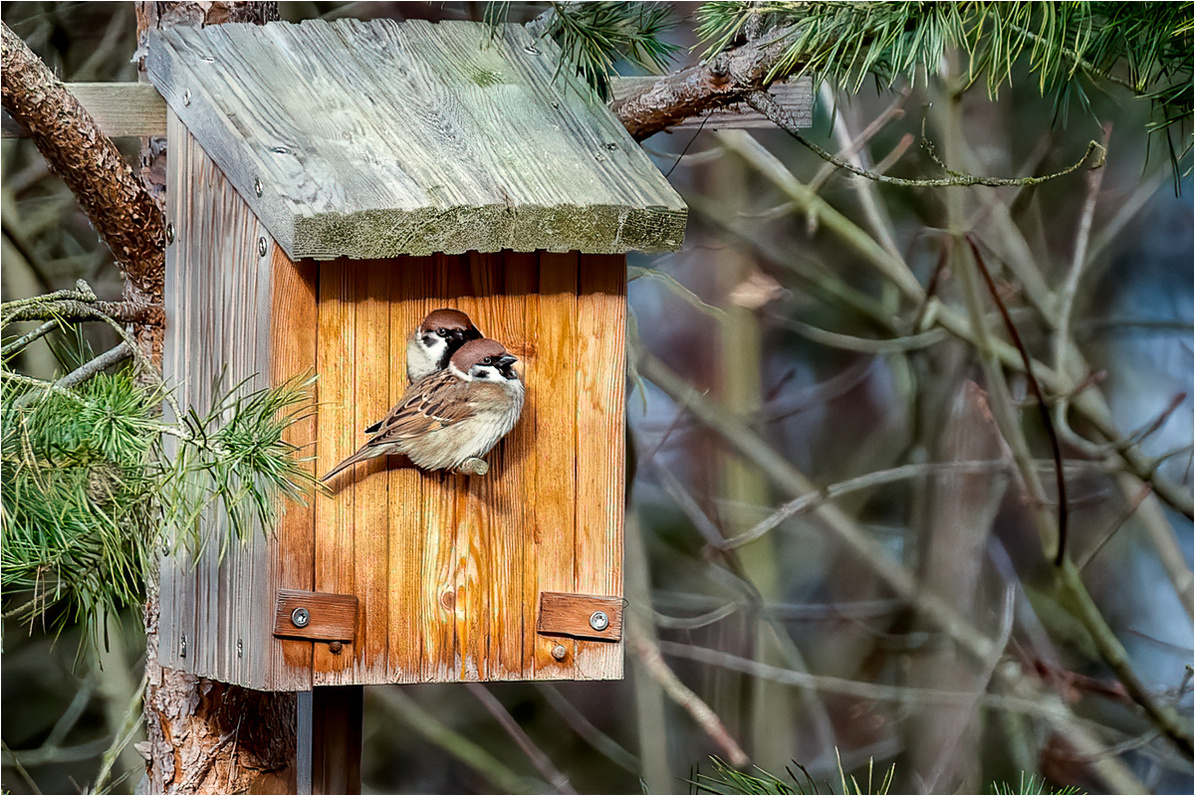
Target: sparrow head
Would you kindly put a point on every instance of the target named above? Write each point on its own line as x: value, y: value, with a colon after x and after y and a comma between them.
x: 485, y: 360
x: 446, y: 327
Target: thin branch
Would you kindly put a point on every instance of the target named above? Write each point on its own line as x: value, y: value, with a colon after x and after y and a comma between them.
x: 494, y: 771
x: 767, y: 105
x: 599, y: 740
x: 649, y: 654
x: 117, y: 353
x: 541, y: 761
x: 1043, y: 407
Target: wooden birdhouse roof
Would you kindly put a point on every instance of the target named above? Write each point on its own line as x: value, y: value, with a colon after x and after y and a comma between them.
x: 377, y: 139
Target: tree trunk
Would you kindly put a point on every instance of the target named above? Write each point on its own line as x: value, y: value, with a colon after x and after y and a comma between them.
x: 205, y: 736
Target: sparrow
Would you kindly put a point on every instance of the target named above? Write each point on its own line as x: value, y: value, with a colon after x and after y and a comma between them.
x: 435, y: 340
x: 450, y: 418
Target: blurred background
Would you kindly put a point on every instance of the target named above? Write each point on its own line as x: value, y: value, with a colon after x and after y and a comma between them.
x: 775, y: 331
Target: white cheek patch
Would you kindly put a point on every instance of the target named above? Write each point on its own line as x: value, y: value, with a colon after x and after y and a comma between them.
x: 458, y: 373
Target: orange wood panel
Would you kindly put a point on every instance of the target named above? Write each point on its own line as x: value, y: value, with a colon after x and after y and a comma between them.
x: 338, y: 437
x: 553, y: 498
x: 410, y: 301
x: 293, y: 324
x: 370, y: 482
x: 601, y: 446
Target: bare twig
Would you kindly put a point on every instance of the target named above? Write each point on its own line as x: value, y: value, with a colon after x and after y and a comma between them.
x: 541, y: 761
x: 117, y: 353
x: 767, y: 105
x: 649, y: 654
x: 1043, y: 407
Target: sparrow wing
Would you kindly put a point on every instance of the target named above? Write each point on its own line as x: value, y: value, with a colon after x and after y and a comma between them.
x: 435, y: 401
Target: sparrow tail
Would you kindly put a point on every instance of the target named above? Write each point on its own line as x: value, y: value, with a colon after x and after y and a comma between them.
x: 360, y: 456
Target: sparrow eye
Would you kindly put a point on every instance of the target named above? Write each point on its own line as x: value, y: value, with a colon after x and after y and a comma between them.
x: 442, y: 332
x: 487, y: 361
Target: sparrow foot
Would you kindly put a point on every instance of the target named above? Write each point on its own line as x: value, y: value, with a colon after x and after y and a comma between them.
x: 474, y: 466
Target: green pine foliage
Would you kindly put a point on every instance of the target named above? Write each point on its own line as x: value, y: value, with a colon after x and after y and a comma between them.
x: 1146, y: 47
x: 593, y: 36
x: 96, y: 483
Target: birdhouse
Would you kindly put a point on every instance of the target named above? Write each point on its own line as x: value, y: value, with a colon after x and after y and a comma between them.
x: 330, y: 184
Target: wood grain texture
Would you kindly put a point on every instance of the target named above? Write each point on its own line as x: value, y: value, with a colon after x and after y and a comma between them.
x: 330, y: 617
x: 562, y: 614
x: 601, y: 445
x: 293, y: 326
x: 553, y: 497
x: 375, y: 139
x: 218, y: 336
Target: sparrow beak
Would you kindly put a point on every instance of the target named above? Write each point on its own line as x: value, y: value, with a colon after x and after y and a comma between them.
x: 505, y: 363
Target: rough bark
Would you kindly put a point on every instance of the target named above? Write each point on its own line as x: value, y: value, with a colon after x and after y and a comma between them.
x: 723, y: 80
x: 205, y: 736
x: 118, y: 206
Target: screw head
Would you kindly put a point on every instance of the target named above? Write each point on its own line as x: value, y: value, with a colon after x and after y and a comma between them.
x: 335, y: 647
x: 300, y: 617
x: 169, y: 233
x: 558, y: 652
x: 599, y: 621
x: 187, y: 97
x: 257, y: 186
x: 240, y: 648
x: 182, y: 646
x: 261, y: 247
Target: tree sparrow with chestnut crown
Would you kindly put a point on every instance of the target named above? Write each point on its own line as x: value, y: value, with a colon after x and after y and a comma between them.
x: 450, y: 418
x: 435, y: 340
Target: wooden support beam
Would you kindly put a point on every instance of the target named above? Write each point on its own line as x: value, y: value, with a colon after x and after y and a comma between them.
x: 328, y: 757
x: 138, y: 110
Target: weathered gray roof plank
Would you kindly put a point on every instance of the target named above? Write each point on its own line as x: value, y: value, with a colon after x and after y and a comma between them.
x: 375, y: 139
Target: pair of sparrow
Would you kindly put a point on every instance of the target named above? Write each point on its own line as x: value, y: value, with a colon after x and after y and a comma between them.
x: 464, y: 396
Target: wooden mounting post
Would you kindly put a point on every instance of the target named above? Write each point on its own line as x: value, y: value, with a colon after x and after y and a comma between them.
x: 329, y: 739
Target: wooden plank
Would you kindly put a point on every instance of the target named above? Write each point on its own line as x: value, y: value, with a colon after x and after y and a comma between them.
x: 514, y: 281
x: 339, y: 437
x: 328, y: 617
x: 120, y: 109
x: 407, y: 144
x: 293, y: 323
x: 552, y: 497
x: 128, y: 110
x: 371, y: 516
x: 587, y: 616
x: 601, y: 446
x: 410, y: 301
x: 444, y: 508
x: 176, y: 301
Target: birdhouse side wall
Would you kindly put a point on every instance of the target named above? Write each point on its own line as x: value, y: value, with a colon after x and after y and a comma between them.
x: 448, y: 569
x: 237, y: 310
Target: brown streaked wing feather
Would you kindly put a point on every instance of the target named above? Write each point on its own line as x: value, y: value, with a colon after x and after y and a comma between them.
x: 440, y: 400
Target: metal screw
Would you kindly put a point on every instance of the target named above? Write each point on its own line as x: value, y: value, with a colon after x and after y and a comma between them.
x: 531, y: 50
x: 169, y: 233
x: 240, y: 648
x: 599, y: 621
x: 182, y: 646
x: 187, y: 97
x: 558, y: 652
x: 261, y: 246
x: 257, y: 186
x: 335, y: 647
x: 300, y: 617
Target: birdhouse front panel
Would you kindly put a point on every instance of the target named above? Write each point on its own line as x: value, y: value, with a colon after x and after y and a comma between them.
x: 449, y: 570
x: 329, y: 186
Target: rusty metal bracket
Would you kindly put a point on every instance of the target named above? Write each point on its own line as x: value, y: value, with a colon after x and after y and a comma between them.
x: 584, y: 616
x: 315, y: 616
